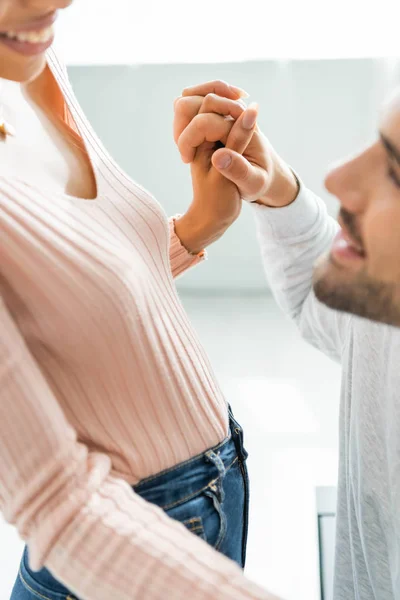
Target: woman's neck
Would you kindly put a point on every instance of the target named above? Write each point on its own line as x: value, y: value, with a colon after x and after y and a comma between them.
x: 11, y: 100
x: 14, y: 96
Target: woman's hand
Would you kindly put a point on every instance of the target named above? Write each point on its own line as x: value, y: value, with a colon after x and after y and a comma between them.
x: 212, y: 128
x: 202, y: 124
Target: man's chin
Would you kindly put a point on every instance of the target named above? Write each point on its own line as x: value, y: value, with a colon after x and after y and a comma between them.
x: 325, y: 281
x: 356, y: 294
x: 328, y: 277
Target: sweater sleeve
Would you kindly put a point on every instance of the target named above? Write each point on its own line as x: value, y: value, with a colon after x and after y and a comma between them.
x: 90, y: 529
x: 181, y: 260
x: 291, y: 240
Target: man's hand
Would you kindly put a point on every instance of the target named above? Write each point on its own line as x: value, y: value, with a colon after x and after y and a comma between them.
x: 258, y: 172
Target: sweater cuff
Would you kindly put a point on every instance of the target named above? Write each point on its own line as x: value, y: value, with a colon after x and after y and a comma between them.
x: 181, y: 259
x: 292, y: 221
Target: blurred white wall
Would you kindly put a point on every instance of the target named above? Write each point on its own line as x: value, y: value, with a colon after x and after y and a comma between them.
x: 181, y: 31
x: 314, y: 112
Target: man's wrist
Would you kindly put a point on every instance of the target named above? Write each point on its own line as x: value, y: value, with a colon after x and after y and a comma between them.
x: 283, y: 191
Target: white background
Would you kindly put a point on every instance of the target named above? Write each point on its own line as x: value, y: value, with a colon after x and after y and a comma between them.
x: 158, y: 31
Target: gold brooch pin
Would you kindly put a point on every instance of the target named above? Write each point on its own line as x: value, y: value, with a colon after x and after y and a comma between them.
x: 6, y: 129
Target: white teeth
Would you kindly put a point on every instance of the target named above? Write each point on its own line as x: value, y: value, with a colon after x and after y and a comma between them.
x: 353, y: 246
x: 32, y: 37
x: 342, y: 243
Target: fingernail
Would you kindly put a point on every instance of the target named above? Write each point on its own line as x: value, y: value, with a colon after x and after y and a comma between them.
x: 223, y: 161
x: 250, y: 116
x: 238, y: 90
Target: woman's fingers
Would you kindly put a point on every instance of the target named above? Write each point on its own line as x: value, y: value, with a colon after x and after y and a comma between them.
x: 212, y: 119
x: 186, y: 109
x: 206, y: 127
x: 218, y: 87
x: 222, y: 106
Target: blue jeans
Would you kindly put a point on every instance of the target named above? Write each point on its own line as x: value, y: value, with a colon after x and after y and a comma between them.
x: 209, y: 494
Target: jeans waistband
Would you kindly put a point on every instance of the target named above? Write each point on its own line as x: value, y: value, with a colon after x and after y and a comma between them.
x: 188, y: 479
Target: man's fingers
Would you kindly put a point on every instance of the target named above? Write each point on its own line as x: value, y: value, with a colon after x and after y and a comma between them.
x: 250, y: 180
x: 219, y: 87
x: 242, y: 131
x: 207, y: 127
x: 186, y: 108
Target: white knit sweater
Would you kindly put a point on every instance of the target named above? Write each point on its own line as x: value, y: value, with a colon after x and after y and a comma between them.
x: 368, y: 513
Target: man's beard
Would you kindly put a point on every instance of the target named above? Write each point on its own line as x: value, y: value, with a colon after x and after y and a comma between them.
x: 361, y: 296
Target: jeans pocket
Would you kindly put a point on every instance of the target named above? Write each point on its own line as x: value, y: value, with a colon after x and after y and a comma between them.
x: 40, y: 585
x: 215, y: 493
x: 203, y: 514
x: 195, y: 525
x: 28, y: 588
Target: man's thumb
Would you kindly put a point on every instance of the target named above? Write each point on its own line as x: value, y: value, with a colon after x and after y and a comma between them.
x: 232, y: 165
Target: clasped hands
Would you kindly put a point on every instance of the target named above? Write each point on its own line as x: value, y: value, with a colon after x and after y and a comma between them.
x: 230, y: 159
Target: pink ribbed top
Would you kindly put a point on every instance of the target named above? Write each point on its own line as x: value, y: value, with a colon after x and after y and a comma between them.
x: 102, y: 383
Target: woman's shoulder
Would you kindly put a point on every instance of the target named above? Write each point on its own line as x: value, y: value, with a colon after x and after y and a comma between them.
x: 58, y: 67
x: 55, y: 58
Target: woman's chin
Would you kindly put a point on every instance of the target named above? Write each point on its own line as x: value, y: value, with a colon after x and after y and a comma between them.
x: 24, y: 70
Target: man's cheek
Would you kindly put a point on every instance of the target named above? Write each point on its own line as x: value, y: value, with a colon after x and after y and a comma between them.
x: 380, y: 232
x: 383, y: 257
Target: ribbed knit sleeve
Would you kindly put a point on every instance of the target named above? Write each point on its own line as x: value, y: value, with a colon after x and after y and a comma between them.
x: 181, y: 260
x: 89, y: 528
